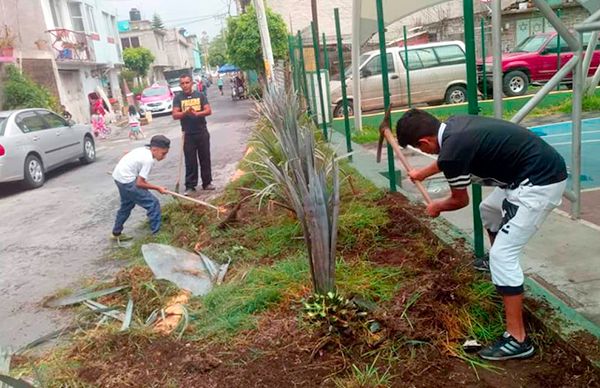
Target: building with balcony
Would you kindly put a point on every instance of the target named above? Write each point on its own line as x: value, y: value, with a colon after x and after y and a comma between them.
x: 69, y: 46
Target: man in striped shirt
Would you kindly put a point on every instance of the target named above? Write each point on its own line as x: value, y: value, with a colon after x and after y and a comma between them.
x: 530, y: 178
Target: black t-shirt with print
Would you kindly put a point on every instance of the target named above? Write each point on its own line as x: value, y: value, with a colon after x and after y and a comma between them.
x: 191, y: 125
x: 494, y: 152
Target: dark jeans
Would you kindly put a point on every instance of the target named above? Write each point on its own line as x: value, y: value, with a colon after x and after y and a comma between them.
x: 132, y: 195
x: 197, y: 150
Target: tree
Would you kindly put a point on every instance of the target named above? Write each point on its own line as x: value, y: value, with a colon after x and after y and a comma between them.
x: 138, y: 60
x: 24, y: 93
x: 157, y: 23
x: 217, y: 51
x: 243, y: 39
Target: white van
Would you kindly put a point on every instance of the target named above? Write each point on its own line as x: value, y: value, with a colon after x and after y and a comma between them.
x: 438, y: 73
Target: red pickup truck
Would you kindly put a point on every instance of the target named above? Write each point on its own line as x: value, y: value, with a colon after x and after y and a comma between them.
x: 534, y: 61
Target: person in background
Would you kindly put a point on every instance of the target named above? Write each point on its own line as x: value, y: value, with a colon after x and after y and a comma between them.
x: 65, y: 113
x: 99, y: 126
x: 135, y: 128
x: 192, y: 108
x: 131, y: 177
x: 220, y: 84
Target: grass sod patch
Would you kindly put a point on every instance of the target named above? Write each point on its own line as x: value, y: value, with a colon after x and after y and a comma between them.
x: 234, y: 306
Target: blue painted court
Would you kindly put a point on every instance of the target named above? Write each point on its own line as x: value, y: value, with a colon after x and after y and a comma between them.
x: 559, y: 136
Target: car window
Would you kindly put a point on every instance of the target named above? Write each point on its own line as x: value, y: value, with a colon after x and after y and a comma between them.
x: 450, y: 55
x: 374, y: 65
x: 586, y: 41
x: 414, y: 61
x: 428, y: 57
x: 530, y: 44
x: 31, y: 122
x: 552, y: 46
x: 53, y: 120
x: 3, y: 121
x: 153, y: 92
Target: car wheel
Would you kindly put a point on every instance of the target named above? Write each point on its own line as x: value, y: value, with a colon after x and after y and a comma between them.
x: 456, y: 94
x: 89, y: 151
x: 338, y: 111
x: 34, y: 172
x: 515, y: 83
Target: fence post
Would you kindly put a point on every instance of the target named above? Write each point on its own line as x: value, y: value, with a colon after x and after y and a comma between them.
x: 303, y: 82
x: 407, y: 69
x: 340, y: 50
x: 484, y: 85
x: 473, y: 109
x: 386, y: 88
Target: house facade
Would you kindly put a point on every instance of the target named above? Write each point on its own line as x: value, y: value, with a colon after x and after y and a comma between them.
x: 71, y: 47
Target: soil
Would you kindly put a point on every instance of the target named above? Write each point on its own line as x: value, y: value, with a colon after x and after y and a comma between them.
x: 422, y: 338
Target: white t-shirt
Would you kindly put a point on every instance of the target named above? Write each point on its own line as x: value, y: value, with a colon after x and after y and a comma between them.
x: 138, y: 162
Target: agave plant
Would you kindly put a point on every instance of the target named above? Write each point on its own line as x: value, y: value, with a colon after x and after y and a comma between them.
x: 306, y: 177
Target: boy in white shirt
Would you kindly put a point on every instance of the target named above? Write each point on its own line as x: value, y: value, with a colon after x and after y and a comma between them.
x: 131, y: 177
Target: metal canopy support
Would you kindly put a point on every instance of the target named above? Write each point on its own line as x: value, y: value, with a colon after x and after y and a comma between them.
x: 497, y: 57
x: 356, y: 10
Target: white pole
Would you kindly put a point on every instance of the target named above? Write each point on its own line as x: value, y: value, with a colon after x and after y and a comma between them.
x: 265, y: 38
x: 356, y: 12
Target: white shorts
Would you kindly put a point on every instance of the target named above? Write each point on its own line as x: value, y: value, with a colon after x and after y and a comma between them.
x: 516, y: 215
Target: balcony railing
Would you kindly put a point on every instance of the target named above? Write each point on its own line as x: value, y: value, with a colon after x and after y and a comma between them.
x: 72, y: 46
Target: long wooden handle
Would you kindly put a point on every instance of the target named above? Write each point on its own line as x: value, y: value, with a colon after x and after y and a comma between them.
x: 392, y: 141
x: 197, y: 201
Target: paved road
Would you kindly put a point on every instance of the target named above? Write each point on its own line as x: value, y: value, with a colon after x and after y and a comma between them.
x: 57, y: 236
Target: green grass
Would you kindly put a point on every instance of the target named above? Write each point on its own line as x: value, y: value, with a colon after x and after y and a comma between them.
x: 484, y: 312
x: 359, y: 224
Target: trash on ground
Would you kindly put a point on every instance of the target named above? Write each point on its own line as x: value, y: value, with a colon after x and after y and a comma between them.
x: 471, y: 346
x: 189, y: 271
x: 82, y: 296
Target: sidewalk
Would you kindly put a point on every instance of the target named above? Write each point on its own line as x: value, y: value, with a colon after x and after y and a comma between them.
x: 563, y: 257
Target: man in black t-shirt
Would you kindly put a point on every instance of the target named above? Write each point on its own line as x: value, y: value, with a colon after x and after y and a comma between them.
x: 530, y: 178
x: 191, y: 107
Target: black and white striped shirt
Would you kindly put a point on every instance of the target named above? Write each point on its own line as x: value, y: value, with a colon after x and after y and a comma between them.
x: 495, y: 152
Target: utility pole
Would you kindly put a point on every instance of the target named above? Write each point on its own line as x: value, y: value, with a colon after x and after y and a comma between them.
x: 265, y: 38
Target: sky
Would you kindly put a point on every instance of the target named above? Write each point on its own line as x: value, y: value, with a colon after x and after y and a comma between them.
x: 195, y: 16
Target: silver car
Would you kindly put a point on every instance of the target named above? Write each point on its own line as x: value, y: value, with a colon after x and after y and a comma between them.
x: 35, y: 141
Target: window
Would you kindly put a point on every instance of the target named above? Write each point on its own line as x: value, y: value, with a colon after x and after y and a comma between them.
x: 31, y: 122
x: 552, y: 46
x: 450, y: 55
x: 3, y: 121
x: 113, y: 27
x: 106, y: 23
x: 56, y: 15
x: 91, y: 19
x: 414, y: 62
x: 53, y: 120
x: 125, y: 43
x: 586, y: 41
x: 373, y: 67
x: 428, y: 57
x: 135, y: 41
x: 76, y: 16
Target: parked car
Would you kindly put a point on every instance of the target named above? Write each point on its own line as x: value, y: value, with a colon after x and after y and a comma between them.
x: 35, y: 141
x: 156, y: 99
x: 437, y: 73
x: 534, y: 61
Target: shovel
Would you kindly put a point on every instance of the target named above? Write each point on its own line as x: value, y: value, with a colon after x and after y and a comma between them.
x: 180, y: 164
x: 385, y: 132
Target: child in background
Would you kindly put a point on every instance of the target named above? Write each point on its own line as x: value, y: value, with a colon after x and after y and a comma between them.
x: 99, y: 125
x: 135, y: 128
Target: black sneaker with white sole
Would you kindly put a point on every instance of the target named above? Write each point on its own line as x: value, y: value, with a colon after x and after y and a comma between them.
x: 482, y: 263
x: 506, y: 348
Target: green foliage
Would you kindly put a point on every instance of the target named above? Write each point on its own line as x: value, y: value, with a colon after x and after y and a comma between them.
x: 229, y: 308
x: 256, y: 91
x: 243, y: 39
x: 217, y: 51
x: 157, y: 23
x: 334, y: 312
x: 138, y: 59
x: 21, y: 92
x: 359, y: 224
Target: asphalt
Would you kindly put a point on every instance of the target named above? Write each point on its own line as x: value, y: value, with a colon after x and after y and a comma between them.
x: 56, y: 237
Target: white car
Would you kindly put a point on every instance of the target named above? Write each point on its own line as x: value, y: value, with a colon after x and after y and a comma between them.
x: 35, y: 141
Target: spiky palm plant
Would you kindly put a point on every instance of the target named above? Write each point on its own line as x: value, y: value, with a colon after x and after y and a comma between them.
x: 306, y: 176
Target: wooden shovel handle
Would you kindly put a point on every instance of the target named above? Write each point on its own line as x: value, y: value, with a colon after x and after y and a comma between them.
x: 392, y: 141
x: 197, y: 201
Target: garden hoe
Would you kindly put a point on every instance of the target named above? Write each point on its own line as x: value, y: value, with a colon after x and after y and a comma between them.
x: 180, y: 164
x: 385, y: 132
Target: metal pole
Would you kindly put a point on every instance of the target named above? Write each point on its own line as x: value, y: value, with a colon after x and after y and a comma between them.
x: 587, y: 60
x: 318, y: 65
x: 303, y: 82
x: 340, y: 48
x: 407, y: 68
x: 497, y: 57
x: 265, y: 38
x: 293, y: 67
x: 473, y: 109
x: 326, y: 53
x: 386, y: 88
x: 558, y: 50
x: 576, y: 138
x: 356, y: 17
x: 547, y: 11
x: 485, y: 90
